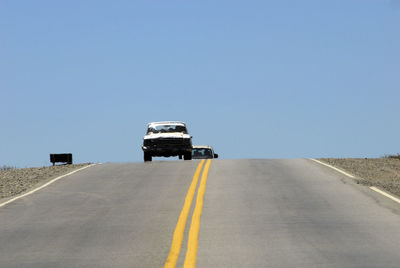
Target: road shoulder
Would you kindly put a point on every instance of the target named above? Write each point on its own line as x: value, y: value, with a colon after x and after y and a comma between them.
x: 15, y: 182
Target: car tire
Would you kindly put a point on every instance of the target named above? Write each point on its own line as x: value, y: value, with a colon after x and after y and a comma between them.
x: 187, y: 156
x: 147, y: 157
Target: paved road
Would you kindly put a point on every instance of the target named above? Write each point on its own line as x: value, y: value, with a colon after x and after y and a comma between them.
x: 256, y: 213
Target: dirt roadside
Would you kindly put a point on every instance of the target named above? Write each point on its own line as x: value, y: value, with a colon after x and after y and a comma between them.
x: 17, y: 181
x: 383, y: 173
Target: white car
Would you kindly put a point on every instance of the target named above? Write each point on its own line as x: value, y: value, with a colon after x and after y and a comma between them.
x: 203, y: 152
x: 167, y: 138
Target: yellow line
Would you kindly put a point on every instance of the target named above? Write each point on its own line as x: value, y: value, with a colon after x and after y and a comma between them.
x: 180, y: 226
x: 191, y: 253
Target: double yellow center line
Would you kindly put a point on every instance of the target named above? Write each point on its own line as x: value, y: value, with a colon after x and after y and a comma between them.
x: 191, y: 252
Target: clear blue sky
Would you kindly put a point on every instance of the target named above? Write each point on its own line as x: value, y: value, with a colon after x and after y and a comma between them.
x: 254, y: 79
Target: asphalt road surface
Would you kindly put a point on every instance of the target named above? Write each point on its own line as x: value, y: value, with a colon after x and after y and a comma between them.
x: 255, y: 213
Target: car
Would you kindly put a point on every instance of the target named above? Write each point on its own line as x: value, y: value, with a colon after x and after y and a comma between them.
x: 166, y: 139
x: 203, y: 152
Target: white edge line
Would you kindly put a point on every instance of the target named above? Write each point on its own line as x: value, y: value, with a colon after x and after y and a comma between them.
x: 42, y: 186
x: 351, y: 176
x: 339, y: 170
x: 385, y: 194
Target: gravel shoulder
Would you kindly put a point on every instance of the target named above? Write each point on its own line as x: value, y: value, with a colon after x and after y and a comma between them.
x: 383, y: 173
x: 18, y: 181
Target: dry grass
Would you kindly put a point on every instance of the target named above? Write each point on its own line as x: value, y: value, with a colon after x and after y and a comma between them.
x: 393, y: 156
x: 5, y: 167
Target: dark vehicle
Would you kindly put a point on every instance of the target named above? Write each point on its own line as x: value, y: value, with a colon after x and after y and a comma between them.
x: 167, y: 139
x: 203, y: 152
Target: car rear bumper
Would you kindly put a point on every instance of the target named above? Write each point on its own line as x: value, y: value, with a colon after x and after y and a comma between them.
x: 166, y: 150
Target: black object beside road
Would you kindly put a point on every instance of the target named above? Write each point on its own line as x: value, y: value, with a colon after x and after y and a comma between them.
x: 61, y: 158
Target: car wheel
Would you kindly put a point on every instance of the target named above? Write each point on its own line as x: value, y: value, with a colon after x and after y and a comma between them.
x: 187, y: 156
x: 180, y: 156
x: 147, y: 157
